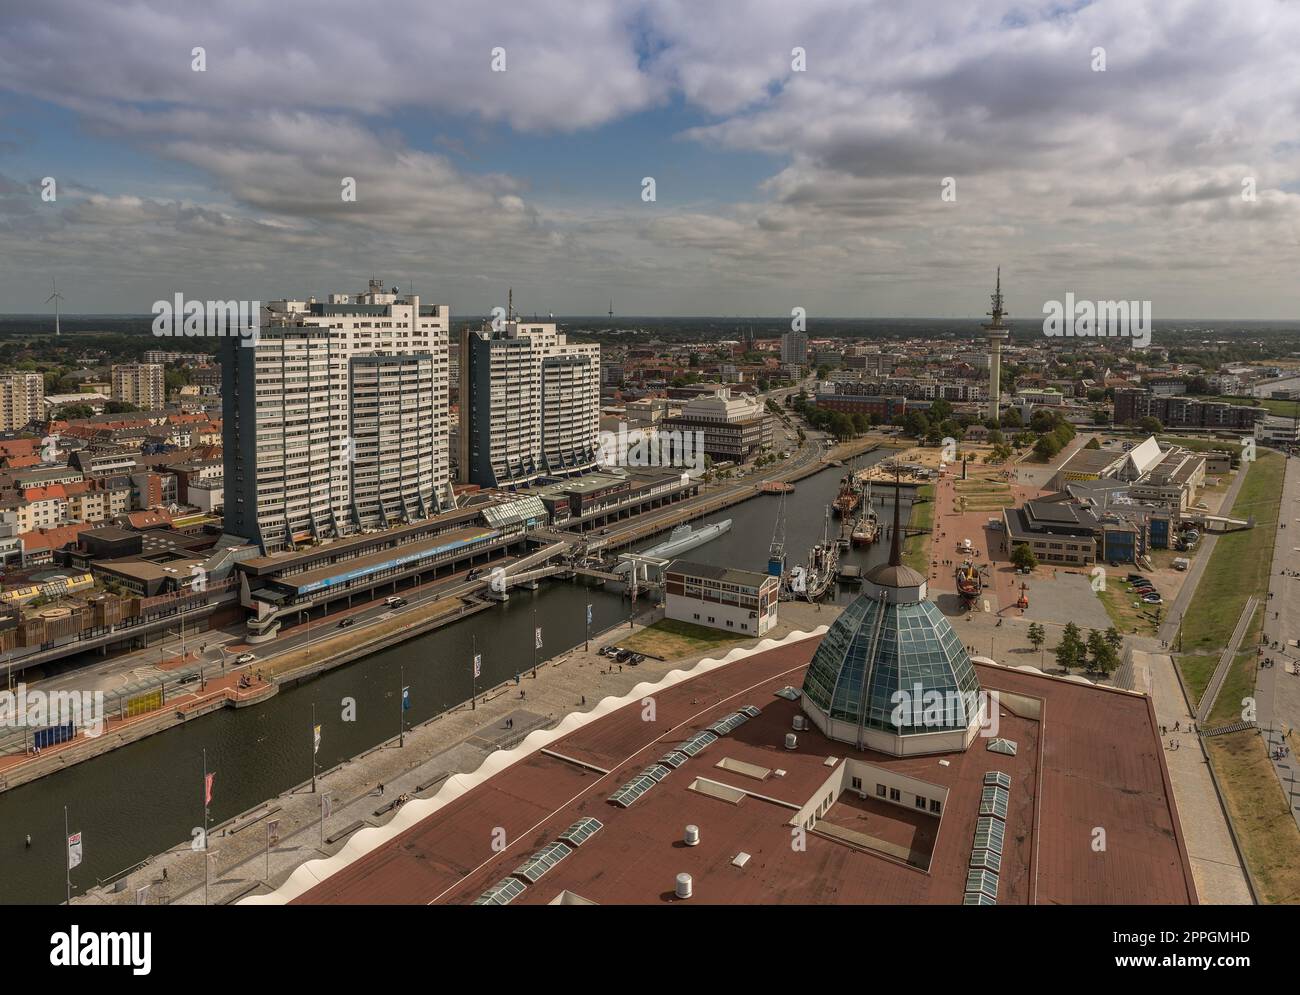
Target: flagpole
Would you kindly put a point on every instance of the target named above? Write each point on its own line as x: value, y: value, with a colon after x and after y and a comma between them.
x: 401, y: 706
x: 67, y: 856
x: 323, y: 796
x: 313, y: 747
x: 587, y: 643
x: 473, y: 695
x: 534, y: 642
x: 205, y: 825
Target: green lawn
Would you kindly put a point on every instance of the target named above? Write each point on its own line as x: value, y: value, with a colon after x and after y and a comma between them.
x: 1200, y: 445
x: 1276, y: 406
x: 1240, y: 566
x: 669, y: 639
x: 916, y: 550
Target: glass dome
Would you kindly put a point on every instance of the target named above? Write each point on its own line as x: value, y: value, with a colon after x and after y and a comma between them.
x: 877, y: 648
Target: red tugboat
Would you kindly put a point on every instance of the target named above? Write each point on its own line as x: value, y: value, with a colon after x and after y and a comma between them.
x: 969, y: 583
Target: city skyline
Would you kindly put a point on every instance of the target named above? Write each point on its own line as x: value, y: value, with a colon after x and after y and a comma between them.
x: 799, y: 159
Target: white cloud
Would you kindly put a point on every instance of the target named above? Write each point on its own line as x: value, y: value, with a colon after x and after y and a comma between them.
x: 1122, y: 183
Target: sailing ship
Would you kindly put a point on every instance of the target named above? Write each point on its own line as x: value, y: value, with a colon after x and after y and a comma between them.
x: 849, y: 497
x: 813, y: 579
x: 867, y: 527
x: 969, y: 583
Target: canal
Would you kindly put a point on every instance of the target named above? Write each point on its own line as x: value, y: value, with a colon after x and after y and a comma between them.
x: 146, y: 797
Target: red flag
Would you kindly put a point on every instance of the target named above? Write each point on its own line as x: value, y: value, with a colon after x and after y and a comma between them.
x: 207, y: 788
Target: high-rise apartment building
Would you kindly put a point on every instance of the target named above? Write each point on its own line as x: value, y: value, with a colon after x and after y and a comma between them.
x: 794, y: 347
x: 22, y: 397
x: 141, y: 384
x: 529, y: 404
x: 336, y: 418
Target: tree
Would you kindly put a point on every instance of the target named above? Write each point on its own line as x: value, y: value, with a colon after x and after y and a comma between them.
x: 1114, y: 638
x: 1093, y: 443
x: 1023, y: 558
x: 1046, y: 447
x: 1070, y: 650
x: 1037, y: 635
x: 1149, y: 424
x: 119, y: 407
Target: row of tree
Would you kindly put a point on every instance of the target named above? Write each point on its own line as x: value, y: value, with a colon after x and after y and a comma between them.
x: 1098, y: 653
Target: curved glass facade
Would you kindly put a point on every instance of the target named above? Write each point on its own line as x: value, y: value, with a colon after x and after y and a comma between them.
x: 874, y: 650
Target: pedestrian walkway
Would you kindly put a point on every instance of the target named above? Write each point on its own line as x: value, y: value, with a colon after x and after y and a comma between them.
x: 1277, y: 687
x: 1216, y: 868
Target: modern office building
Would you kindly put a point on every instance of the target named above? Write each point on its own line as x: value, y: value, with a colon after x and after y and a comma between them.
x: 22, y: 397
x: 141, y: 384
x: 335, y: 418
x: 529, y: 404
x: 730, y: 427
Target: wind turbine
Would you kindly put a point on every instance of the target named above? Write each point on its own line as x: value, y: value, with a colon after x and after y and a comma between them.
x: 55, y: 297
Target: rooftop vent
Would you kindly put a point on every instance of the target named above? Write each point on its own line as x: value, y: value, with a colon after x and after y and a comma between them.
x: 791, y: 741
x: 1005, y: 746
x: 683, y: 889
x: 692, y: 836
x: 800, y: 723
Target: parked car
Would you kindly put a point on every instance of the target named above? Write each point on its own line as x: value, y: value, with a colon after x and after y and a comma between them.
x: 346, y: 622
x: 1153, y: 599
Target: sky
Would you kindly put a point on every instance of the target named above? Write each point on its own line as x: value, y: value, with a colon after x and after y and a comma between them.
x: 848, y: 158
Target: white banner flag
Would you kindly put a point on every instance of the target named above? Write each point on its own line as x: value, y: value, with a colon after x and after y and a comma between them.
x: 537, y: 637
x: 326, y: 806
x: 74, y: 850
x: 316, y: 740
x: 478, y: 665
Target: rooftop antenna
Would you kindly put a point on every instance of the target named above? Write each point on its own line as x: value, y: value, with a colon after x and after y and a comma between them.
x: 510, y: 304
x: 55, y: 297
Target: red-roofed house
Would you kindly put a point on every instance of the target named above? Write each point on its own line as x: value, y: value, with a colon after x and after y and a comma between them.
x: 40, y: 545
x: 42, y: 507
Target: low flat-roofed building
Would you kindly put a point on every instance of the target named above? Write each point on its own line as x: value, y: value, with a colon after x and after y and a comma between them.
x: 721, y: 597
x: 1063, y: 532
x: 1278, y: 431
x: 606, y: 804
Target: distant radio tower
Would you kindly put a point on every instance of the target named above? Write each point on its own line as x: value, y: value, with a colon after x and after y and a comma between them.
x: 996, y: 333
x: 611, y: 309
x: 55, y: 297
